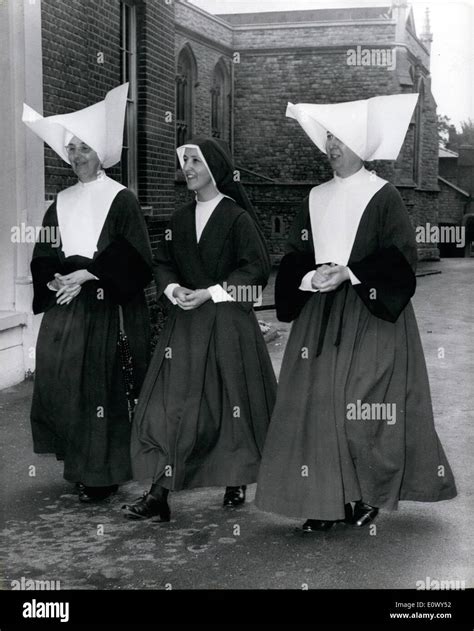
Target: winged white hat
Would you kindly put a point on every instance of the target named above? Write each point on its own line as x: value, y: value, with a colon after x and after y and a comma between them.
x: 373, y: 128
x: 100, y: 126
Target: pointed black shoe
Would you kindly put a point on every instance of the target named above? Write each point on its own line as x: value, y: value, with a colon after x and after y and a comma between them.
x: 364, y: 514
x: 147, y: 507
x: 91, y: 494
x: 234, y: 495
x: 318, y: 525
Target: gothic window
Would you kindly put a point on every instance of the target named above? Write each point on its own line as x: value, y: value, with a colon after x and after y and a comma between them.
x: 220, y: 102
x: 185, y: 80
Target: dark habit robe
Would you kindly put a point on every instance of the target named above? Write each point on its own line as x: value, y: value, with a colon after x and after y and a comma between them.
x: 79, y: 409
x: 352, y: 345
x: 206, y: 402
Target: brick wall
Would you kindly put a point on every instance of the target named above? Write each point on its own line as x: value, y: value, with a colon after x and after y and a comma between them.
x: 448, y: 168
x: 73, y: 33
x: 156, y: 101
x: 417, y: 48
x: 452, y: 205
x: 275, y: 146
x: 429, y: 162
x: 203, y: 23
x: 422, y: 207
x: 315, y: 36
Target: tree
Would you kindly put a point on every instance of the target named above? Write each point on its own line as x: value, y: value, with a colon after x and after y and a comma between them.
x: 466, y: 137
x: 444, y: 124
x: 449, y: 138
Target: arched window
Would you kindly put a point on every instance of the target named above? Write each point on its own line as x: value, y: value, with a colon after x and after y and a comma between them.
x: 220, y: 102
x: 276, y: 225
x: 186, y: 74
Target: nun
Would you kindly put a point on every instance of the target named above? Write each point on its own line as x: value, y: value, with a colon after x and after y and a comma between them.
x: 204, y: 409
x: 91, y: 291
x: 352, y: 430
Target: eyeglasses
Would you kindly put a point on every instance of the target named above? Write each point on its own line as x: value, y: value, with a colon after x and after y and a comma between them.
x: 82, y: 149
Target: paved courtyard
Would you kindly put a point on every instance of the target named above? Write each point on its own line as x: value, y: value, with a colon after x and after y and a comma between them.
x: 48, y: 535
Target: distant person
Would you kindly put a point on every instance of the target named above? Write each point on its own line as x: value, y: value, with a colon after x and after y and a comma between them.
x: 352, y: 430
x: 91, y: 291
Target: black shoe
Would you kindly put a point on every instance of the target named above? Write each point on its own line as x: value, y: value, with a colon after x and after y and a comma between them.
x: 91, y: 494
x: 234, y: 495
x: 317, y: 525
x: 348, y: 514
x: 147, y: 507
x: 313, y: 525
x: 364, y: 514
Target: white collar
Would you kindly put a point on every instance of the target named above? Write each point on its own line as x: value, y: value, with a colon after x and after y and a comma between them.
x: 101, y: 177
x: 215, y: 200
x: 356, y: 179
x: 82, y: 210
x: 336, y: 209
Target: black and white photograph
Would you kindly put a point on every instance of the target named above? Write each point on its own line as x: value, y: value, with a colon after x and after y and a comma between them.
x: 237, y: 260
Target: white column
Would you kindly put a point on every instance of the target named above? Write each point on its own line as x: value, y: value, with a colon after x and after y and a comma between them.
x: 21, y: 180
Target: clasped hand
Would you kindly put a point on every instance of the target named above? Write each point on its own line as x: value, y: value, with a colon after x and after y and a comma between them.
x: 68, y: 286
x: 329, y: 277
x: 191, y: 298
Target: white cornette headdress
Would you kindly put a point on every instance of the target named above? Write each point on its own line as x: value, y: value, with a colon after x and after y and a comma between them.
x: 100, y: 126
x: 373, y: 128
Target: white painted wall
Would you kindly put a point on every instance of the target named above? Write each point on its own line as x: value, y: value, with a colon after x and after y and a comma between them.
x: 21, y: 181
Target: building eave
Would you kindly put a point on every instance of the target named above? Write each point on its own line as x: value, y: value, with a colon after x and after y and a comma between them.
x: 301, y: 25
x: 453, y: 186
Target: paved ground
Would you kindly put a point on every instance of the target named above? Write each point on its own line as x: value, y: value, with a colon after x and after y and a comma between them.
x: 49, y: 536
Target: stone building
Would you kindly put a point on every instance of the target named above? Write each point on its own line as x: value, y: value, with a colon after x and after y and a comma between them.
x: 190, y: 72
x: 325, y: 55
x: 456, y: 201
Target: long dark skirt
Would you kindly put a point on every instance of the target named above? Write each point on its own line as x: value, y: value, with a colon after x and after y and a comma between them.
x: 206, y: 402
x: 317, y: 458
x: 79, y: 409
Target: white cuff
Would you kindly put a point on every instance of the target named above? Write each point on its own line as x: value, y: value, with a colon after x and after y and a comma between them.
x: 219, y: 294
x: 353, y: 278
x: 169, y: 292
x: 306, y: 282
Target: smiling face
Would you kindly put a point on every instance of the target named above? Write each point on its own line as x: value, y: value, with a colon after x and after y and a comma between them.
x: 197, y: 175
x: 84, y: 160
x: 344, y: 161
